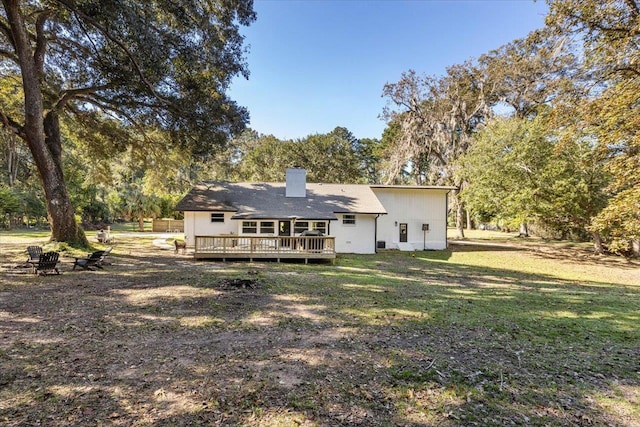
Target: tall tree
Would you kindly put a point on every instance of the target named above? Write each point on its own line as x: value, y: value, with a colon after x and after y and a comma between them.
x: 436, y: 119
x: 146, y: 63
x: 327, y: 158
x: 609, y: 32
x: 330, y: 157
x: 15, y: 154
x: 520, y: 171
x: 529, y: 73
x: 394, y: 169
x: 267, y: 159
x: 369, y: 154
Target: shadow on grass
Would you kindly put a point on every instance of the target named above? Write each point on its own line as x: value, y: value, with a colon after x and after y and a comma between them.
x: 379, y: 340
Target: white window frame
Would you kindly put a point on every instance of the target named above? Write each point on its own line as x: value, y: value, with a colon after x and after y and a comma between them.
x: 217, y: 217
x: 249, y: 225
x: 319, y: 225
x: 270, y: 229
x: 297, y: 229
x: 349, y: 220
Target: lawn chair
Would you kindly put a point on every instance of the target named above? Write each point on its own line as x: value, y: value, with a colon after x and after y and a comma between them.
x: 92, y: 262
x: 104, y: 236
x: 180, y: 245
x: 46, y: 264
x: 102, y: 261
x: 34, y: 254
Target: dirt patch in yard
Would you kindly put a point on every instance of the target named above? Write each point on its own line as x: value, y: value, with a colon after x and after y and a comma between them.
x: 158, y: 339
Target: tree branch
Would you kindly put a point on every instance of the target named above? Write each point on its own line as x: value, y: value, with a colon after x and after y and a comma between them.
x: 107, y: 107
x: 628, y: 69
x: 69, y: 94
x: 41, y: 40
x: 12, y: 125
x: 71, y: 7
x: 599, y: 26
x: 9, y: 55
x: 633, y: 8
x: 6, y: 30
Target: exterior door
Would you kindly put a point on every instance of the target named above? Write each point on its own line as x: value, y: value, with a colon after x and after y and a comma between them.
x: 403, y: 232
x: 284, y: 229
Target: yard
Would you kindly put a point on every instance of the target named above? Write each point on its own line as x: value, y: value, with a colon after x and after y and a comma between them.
x: 492, y: 332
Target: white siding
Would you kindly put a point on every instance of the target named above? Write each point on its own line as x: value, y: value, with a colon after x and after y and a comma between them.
x: 199, y: 223
x: 355, y: 239
x: 403, y: 205
x: 413, y: 207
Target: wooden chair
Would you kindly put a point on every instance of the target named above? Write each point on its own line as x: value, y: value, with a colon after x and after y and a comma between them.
x: 104, y: 236
x: 180, y: 245
x: 47, y: 264
x: 102, y: 261
x: 34, y: 254
x: 92, y: 262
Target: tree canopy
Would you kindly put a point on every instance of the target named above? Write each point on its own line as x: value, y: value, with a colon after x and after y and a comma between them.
x: 337, y: 156
x: 565, y: 152
x: 520, y: 171
x: 143, y: 64
x: 609, y: 35
x: 118, y: 107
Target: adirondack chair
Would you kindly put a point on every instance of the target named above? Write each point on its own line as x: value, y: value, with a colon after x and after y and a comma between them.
x: 93, y: 261
x: 47, y: 264
x: 102, y: 261
x: 34, y: 254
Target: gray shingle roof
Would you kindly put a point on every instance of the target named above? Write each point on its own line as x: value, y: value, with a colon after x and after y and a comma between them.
x: 267, y: 200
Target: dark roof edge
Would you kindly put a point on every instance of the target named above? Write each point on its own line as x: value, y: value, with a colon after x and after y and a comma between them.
x: 361, y: 213
x: 416, y: 187
x: 261, y: 217
x: 179, y: 208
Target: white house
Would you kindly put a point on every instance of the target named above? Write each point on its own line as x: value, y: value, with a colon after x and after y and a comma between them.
x: 358, y: 218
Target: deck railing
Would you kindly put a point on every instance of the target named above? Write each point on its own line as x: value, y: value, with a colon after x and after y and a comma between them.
x: 234, y: 246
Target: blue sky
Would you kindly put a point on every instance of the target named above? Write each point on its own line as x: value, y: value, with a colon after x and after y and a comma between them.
x: 318, y: 64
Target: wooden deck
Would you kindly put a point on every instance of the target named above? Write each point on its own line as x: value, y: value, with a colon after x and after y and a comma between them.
x: 264, y: 247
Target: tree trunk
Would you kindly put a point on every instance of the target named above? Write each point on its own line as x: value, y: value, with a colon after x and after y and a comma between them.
x: 635, y: 247
x: 597, y: 243
x: 59, y: 208
x: 524, y: 230
x: 455, y: 196
x: 141, y: 222
x: 469, y: 222
x: 41, y: 133
x: 12, y: 157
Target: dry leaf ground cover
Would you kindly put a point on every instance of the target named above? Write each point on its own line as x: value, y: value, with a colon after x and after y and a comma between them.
x: 516, y: 334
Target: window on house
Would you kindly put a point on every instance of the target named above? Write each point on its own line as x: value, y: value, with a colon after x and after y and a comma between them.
x: 320, y: 226
x: 249, y: 227
x: 300, y: 226
x: 217, y: 217
x: 349, y: 219
x: 267, y: 227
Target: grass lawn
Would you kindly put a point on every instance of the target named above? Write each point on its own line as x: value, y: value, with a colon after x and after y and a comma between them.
x: 492, y: 332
